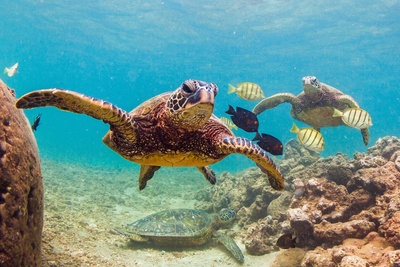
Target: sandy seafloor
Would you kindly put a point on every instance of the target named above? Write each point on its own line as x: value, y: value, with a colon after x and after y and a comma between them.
x: 83, y: 203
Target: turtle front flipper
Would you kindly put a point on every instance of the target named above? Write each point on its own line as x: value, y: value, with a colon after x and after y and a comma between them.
x: 275, y: 100
x: 348, y: 100
x: 79, y: 103
x: 244, y: 146
x: 230, y: 244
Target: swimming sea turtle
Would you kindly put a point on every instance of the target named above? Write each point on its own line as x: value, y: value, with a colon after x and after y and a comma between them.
x: 315, y: 105
x: 172, y: 129
x: 183, y: 227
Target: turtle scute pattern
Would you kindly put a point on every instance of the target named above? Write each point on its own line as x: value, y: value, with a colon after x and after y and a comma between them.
x: 183, y: 227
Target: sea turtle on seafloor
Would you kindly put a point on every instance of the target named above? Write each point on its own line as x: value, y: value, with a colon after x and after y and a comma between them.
x: 172, y: 129
x: 183, y: 227
x: 315, y: 105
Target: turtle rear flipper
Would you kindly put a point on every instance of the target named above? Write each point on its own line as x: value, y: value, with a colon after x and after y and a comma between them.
x: 244, y: 146
x: 365, y: 135
x: 208, y: 174
x: 79, y: 103
x: 146, y: 173
x: 230, y: 244
x: 275, y: 100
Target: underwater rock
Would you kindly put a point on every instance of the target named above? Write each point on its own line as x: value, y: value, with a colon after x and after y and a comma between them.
x: 278, y: 206
x: 260, y: 209
x: 21, y: 187
x: 245, y: 192
x: 332, y: 200
x: 391, y: 230
x: 318, y: 258
x: 300, y: 221
x: 334, y: 233
x: 373, y: 250
x: 368, y: 161
x: 353, y: 261
x: 377, y: 180
x: 337, y: 168
x: 296, y: 157
x: 394, y: 258
x: 261, y: 237
x: 385, y: 147
x: 396, y: 159
x: 364, y: 199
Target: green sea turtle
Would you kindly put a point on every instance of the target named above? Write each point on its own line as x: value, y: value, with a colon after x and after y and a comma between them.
x: 315, y: 105
x: 183, y: 227
x: 172, y: 129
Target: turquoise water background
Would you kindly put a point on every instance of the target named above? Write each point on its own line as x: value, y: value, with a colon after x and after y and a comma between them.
x: 128, y: 51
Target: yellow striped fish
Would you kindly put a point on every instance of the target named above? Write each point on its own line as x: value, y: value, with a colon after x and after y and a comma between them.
x: 354, y: 117
x: 228, y: 123
x: 309, y: 138
x: 247, y: 91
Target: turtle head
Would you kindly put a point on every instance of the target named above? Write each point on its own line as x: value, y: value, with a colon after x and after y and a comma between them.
x: 192, y: 104
x: 311, y: 86
x: 226, y: 217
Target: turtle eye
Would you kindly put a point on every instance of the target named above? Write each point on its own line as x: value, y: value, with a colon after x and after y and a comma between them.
x: 314, y: 80
x: 186, y: 88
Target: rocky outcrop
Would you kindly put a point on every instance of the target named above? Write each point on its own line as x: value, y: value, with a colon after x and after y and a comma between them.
x: 246, y: 193
x: 21, y: 188
x: 261, y: 236
x: 354, y: 200
x: 390, y: 229
x: 373, y: 250
x: 329, y: 204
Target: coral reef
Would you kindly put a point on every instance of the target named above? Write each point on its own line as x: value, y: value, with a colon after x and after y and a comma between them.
x: 339, y: 201
x: 261, y: 236
x: 373, y: 250
x: 246, y: 193
x: 21, y: 187
x: 340, y: 210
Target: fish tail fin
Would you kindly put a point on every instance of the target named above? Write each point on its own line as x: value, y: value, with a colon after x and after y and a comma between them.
x: 257, y: 137
x: 5, y: 70
x: 337, y: 113
x: 230, y: 110
x: 294, y: 129
x: 231, y: 89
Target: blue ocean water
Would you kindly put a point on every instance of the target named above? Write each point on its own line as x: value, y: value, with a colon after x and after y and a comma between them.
x: 128, y: 51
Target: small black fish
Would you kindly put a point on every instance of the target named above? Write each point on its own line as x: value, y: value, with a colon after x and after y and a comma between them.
x: 36, y: 122
x: 244, y: 119
x: 286, y: 241
x: 269, y: 143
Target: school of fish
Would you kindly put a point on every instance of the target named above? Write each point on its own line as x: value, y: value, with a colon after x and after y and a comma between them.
x: 310, y: 138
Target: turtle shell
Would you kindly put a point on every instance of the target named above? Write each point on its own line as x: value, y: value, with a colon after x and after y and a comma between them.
x: 318, y: 112
x: 175, y: 227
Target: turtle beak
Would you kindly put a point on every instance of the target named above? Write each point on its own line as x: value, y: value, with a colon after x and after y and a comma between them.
x: 203, y: 99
